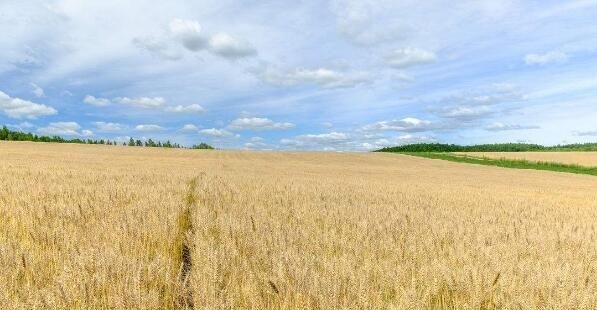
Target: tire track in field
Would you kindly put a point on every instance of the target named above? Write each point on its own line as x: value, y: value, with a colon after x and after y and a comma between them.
x: 184, y: 241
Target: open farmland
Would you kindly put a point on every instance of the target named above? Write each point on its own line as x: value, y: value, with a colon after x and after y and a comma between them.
x: 588, y: 159
x: 97, y: 227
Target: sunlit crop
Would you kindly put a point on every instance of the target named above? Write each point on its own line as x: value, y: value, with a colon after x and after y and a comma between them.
x: 98, y: 227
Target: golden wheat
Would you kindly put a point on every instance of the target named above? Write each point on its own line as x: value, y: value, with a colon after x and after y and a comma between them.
x: 100, y: 227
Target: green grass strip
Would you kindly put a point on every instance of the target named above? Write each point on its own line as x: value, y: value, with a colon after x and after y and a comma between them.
x: 508, y: 163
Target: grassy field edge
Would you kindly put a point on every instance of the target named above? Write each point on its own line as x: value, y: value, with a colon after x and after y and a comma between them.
x: 508, y: 163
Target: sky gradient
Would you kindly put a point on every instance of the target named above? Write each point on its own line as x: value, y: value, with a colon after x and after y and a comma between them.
x: 301, y: 75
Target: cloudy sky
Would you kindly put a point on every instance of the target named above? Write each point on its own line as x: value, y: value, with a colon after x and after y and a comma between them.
x: 311, y: 74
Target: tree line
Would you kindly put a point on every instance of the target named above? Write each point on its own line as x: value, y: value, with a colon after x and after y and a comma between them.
x: 497, y: 147
x: 11, y: 135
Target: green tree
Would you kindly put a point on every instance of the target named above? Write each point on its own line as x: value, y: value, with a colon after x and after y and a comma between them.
x: 202, y: 146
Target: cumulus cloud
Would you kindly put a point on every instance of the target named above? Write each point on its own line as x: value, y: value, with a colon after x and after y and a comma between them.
x: 64, y: 129
x: 498, y: 126
x: 465, y: 113
x: 497, y: 93
x: 24, y: 126
x: 190, y: 35
x: 384, y: 22
x: 358, y: 21
x: 395, y: 141
x: 256, y: 143
x: 188, y: 32
x: 257, y: 123
x: 342, y: 141
x: 255, y: 146
x: 225, y: 45
x: 157, y: 46
x: 324, y: 139
x: 189, y: 128
x: 588, y: 133
x: 409, y: 124
x: 216, y: 133
x: 19, y: 108
x: 148, y: 128
x: 408, y: 57
x: 192, y: 108
x: 546, y: 58
x: 142, y: 102
x: 109, y: 127
x: 37, y: 91
x: 98, y: 102
x: 471, y: 106
x: 323, y: 77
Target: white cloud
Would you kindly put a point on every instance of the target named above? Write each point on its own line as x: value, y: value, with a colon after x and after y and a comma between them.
x: 356, y: 20
x: 498, y: 126
x: 19, y: 108
x: 257, y: 123
x: 190, y: 35
x: 64, y: 129
x: 377, y: 22
x: 497, y: 93
x: 255, y: 146
x: 588, y: 133
x: 468, y: 106
x: 409, y: 124
x: 399, y: 140
x: 188, y: 32
x: 216, y: 133
x: 340, y: 141
x: 98, y: 102
x: 408, y: 57
x: 465, y: 113
x: 327, y: 124
x: 317, y: 139
x: 547, y: 58
x: 323, y: 77
x: 256, y: 143
x: 189, y: 128
x: 26, y: 125
x: 157, y: 46
x: 143, y: 102
x: 224, y: 45
x: 148, y: 128
x: 193, y: 108
x: 109, y: 127
x: 37, y: 91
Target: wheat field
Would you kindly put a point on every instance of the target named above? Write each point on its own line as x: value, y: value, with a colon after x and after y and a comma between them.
x: 100, y: 227
x: 588, y: 159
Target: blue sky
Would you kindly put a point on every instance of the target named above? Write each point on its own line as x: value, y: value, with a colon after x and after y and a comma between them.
x: 301, y: 75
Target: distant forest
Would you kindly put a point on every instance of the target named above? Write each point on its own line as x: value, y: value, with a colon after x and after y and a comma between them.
x: 10, y: 135
x: 499, y: 147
